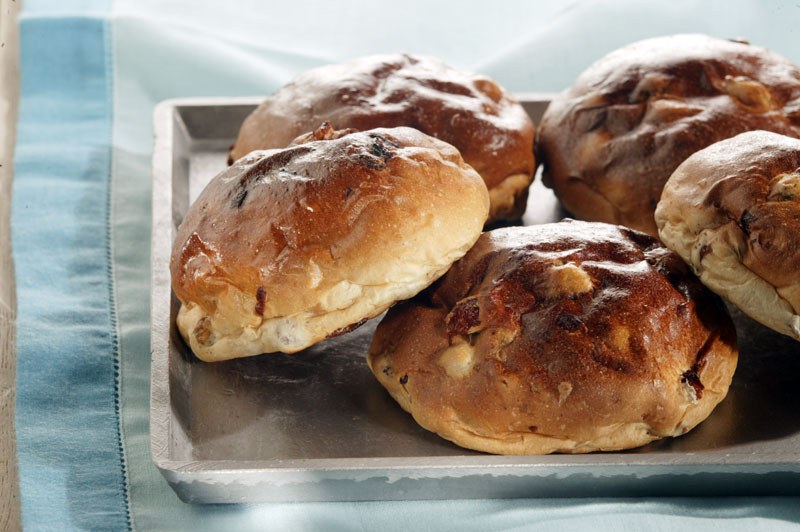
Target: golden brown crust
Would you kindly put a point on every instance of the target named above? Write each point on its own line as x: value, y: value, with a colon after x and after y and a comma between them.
x: 491, y: 130
x: 568, y: 337
x: 289, y: 246
x: 732, y: 211
x: 609, y: 143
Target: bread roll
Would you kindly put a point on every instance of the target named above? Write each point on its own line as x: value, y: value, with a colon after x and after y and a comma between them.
x: 569, y: 337
x: 289, y: 247
x: 611, y: 141
x: 732, y: 211
x: 473, y: 113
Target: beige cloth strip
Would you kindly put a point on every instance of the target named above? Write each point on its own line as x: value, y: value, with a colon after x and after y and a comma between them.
x: 9, y: 93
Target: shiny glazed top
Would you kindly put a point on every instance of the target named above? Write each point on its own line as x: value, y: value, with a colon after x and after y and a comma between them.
x: 610, y: 142
x: 491, y: 130
x: 280, y: 227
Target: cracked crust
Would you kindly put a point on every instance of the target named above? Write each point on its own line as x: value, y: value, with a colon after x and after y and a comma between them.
x: 289, y: 247
x: 610, y: 142
x: 732, y: 211
x: 571, y: 337
x: 487, y: 125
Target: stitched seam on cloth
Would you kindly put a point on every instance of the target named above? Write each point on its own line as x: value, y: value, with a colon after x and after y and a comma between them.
x: 112, y: 292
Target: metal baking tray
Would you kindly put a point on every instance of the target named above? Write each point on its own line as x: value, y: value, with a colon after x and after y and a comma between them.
x: 316, y: 426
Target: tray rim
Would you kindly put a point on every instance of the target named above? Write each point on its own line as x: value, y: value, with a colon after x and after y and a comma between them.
x: 176, y: 471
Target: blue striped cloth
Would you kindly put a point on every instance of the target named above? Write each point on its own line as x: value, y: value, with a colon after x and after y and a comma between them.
x: 68, y: 362
x: 92, y: 71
